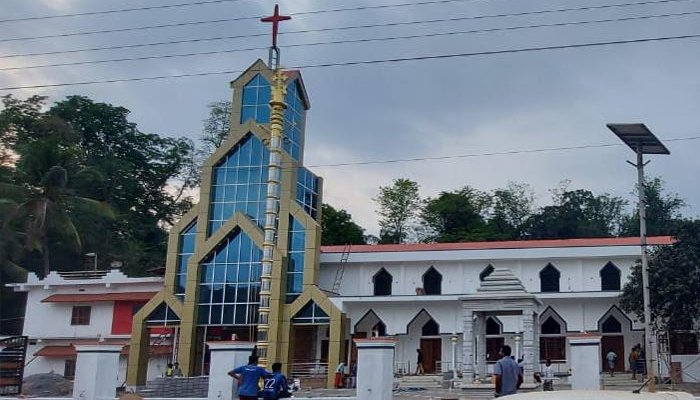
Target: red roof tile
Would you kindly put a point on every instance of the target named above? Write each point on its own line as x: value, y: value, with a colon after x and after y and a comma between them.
x: 93, y: 297
x: 69, y: 351
x: 511, y: 244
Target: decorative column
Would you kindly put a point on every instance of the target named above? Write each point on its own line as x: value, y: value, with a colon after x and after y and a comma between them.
x: 468, y: 345
x: 96, y: 370
x: 277, y: 107
x: 453, y: 342
x: 480, y: 351
x: 528, y: 346
x: 585, y: 362
x: 375, y: 368
x: 226, y: 356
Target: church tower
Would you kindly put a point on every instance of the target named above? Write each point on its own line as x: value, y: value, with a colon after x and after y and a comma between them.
x: 244, y: 262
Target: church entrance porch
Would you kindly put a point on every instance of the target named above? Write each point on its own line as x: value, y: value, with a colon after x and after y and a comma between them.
x: 432, y: 354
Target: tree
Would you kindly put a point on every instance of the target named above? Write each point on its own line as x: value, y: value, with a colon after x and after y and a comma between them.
x: 457, y: 216
x: 398, y: 206
x: 105, y: 158
x: 674, y: 282
x: 217, y: 126
x: 512, y: 206
x: 338, y: 227
x: 577, y: 214
x: 663, y: 211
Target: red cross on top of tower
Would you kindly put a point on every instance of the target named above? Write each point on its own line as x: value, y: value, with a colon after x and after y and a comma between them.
x: 275, y: 18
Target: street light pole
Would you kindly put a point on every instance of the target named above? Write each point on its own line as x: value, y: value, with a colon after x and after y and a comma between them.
x: 649, y: 341
x: 640, y: 139
x: 95, y: 256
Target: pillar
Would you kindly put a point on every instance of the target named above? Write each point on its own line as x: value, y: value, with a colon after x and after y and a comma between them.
x: 96, y: 370
x: 453, y: 342
x: 137, y: 364
x: 226, y: 356
x: 375, y: 368
x: 480, y: 350
x: 585, y: 362
x: 468, y: 346
x: 528, y: 346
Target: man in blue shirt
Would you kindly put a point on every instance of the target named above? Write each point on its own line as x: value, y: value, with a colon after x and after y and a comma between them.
x: 506, y: 373
x: 248, y: 377
x: 276, y: 386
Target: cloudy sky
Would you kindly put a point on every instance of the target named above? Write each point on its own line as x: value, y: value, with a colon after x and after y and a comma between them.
x: 430, y: 108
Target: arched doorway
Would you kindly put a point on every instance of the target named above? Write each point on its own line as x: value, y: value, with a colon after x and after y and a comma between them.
x: 430, y: 342
x: 612, y: 340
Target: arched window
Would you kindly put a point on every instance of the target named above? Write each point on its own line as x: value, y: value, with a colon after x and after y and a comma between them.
x: 379, y: 329
x: 492, y: 327
x: 611, y: 325
x: 486, y: 272
x: 610, y: 277
x: 431, y: 328
x: 549, y: 279
x: 382, y: 283
x: 432, y: 281
x: 551, y: 327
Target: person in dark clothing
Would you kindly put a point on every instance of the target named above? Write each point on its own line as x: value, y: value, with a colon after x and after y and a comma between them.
x: 276, y: 386
x: 419, y: 363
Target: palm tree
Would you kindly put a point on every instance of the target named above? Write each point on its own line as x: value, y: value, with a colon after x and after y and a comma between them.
x: 46, y: 210
x: 10, y: 244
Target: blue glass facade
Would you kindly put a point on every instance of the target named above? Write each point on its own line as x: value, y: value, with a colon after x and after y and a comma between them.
x: 184, y: 252
x: 239, y: 183
x: 295, y: 259
x: 256, y: 101
x: 294, y: 120
x: 229, y: 289
x: 307, y: 191
x: 311, y: 314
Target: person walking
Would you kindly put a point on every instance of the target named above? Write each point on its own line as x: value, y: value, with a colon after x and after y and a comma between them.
x: 506, y: 373
x: 611, y: 357
x: 419, y: 363
x: 248, y: 377
x: 276, y: 386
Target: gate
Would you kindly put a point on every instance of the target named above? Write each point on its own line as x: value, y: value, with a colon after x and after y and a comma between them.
x: 13, y: 351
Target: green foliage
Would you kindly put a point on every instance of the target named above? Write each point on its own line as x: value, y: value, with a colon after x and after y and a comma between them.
x: 85, y: 179
x: 216, y: 126
x: 674, y: 282
x: 338, y: 227
x: 398, y: 206
x: 457, y: 216
x: 577, y: 214
x: 663, y: 211
x: 511, y: 207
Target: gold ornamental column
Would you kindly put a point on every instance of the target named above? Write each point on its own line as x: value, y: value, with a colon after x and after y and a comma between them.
x: 277, y: 107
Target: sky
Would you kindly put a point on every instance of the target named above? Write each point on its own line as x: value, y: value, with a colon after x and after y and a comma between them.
x: 415, y: 109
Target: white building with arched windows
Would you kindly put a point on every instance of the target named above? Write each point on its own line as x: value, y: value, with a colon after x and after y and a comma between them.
x: 462, y: 301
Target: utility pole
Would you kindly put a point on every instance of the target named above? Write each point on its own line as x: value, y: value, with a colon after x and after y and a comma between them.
x: 640, y: 139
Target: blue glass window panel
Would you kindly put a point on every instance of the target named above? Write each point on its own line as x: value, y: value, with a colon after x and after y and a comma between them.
x: 231, y: 275
x: 263, y: 114
x: 187, y: 243
x: 217, y: 294
x: 255, y: 174
x: 215, y: 315
x: 251, y: 208
x: 243, y: 175
x: 214, y: 226
x: 297, y: 242
x: 181, y: 283
x: 256, y: 271
x: 240, y: 314
x: 294, y: 283
x: 296, y: 262
x: 231, y: 176
x: 233, y: 160
x: 205, y: 293
x: 207, y: 272
x: 219, y: 175
x: 250, y: 96
x: 252, y: 312
x: 245, y: 251
x: 244, y: 273
x: 219, y: 272
x: 242, y: 294
x: 247, y: 112
x: 203, y: 314
x: 264, y: 96
x: 241, y: 193
x: 228, y: 314
x: 228, y: 211
x: 216, y: 209
x: 218, y: 193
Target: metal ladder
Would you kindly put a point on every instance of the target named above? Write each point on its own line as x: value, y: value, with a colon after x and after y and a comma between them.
x: 341, y: 268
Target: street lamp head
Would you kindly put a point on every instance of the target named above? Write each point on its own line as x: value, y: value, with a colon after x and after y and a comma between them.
x: 91, y: 254
x: 639, y: 138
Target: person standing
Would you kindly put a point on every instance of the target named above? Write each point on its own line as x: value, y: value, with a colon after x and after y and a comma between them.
x: 177, y: 371
x: 633, y: 357
x: 353, y: 375
x: 548, y: 375
x: 276, y: 386
x: 248, y: 377
x: 339, y: 374
x: 611, y: 357
x: 506, y: 373
x: 419, y: 363
x: 169, y: 371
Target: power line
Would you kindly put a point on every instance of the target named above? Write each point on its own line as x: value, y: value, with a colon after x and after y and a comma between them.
x: 248, y: 18
x: 121, y: 10
x: 369, y: 62
x: 365, y: 40
x: 495, y: 153
x: 215, y: 21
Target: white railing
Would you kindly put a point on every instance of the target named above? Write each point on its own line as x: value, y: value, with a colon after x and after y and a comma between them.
x: 309, y: 369
x: 446, y: 366
x: 402, y: 368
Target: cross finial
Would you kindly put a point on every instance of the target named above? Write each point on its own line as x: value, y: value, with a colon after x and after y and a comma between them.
x: 275, y: 19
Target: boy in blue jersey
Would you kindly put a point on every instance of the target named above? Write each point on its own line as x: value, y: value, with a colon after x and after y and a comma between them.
x: 248, y: 377
x: 276, y: 386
